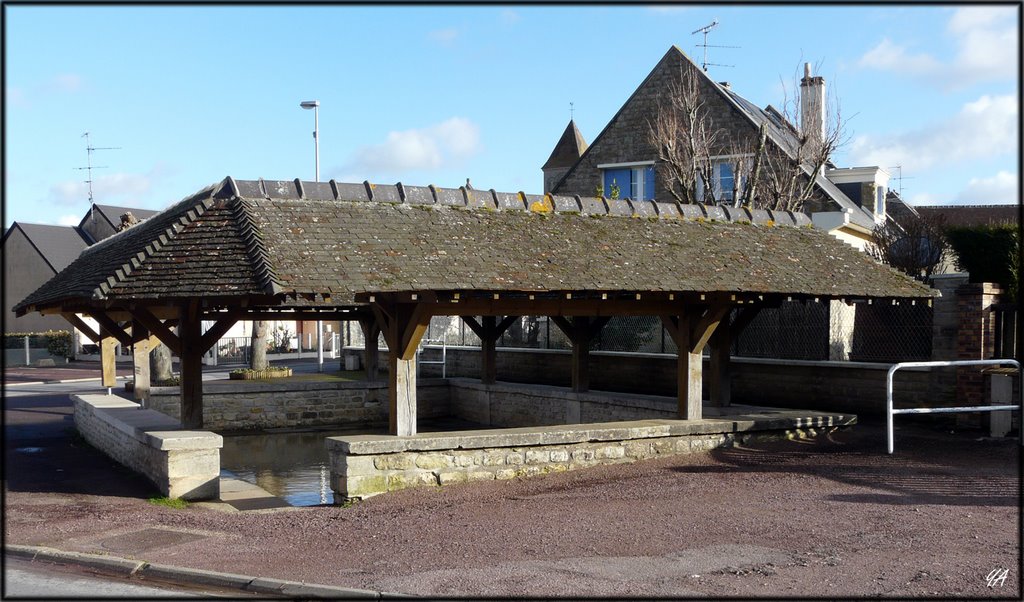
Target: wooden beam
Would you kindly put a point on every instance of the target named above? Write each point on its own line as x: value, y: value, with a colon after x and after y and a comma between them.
x: 141, y: 347
x: 580, y: 330
x: 565, y: 326
x: 77, y: 322
x: 475, y: 326
x: 744, y: 317
x: 690, y: 365
x: 216, y: 332
x: 158, y: 328
x: 401, y: 394
x: 489, y: 350
x: 108, y: 358
x: 371, y: 330
x: 720, y: 386
x: 112, y: 328
x: 191, y: 366
x: 705, y: 326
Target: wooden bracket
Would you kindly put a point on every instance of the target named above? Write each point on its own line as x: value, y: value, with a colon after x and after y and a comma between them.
x: 112, y: 327
x: 82, y: 326
x: 488, y: 333
x: 403, y: 325
x: 704, y: 326
x: 158, y: 328
x: 580, y: 329
x: 216, y: 332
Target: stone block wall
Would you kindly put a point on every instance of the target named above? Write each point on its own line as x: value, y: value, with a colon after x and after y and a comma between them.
x: 182, y: 464
x: 248, y: 405
x: 363, y: 466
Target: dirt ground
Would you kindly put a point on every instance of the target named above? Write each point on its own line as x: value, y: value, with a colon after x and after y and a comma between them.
x: 833, y: 516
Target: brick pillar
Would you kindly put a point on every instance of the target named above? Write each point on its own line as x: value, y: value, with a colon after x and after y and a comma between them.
x: 975, y: 338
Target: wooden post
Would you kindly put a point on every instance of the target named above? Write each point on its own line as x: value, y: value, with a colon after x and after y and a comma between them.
x: 142, y: 344
x: 690, y: 374
x: 489, y: 351
x: 581, y: 330
x: 191, y: 367
x: 403, y: 325
x: 371, y: 330
x: 402, y: 394
x: 720, y: 387
x: 580, y: 355
x: 691, y: 332
x: 108, y: 359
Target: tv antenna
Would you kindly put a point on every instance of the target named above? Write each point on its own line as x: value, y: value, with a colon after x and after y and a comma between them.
x: 900, y: 177
x: 89, y: 148
x: 704, y: 30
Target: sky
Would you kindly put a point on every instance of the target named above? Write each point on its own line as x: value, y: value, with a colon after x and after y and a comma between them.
x: 176, y: 98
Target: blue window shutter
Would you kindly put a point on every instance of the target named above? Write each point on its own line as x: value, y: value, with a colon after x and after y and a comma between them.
x: 621, y: 179
x: 649, y: 183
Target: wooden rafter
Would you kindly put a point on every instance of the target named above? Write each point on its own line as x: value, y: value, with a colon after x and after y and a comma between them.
x: 158, y: 328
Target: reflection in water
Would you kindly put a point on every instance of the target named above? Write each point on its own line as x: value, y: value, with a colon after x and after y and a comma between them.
x: 295, y: 466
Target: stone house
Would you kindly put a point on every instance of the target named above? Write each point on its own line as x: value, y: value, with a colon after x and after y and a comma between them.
x: 847, y: 202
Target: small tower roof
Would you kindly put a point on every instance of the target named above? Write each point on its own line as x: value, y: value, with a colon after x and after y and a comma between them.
x: 569, y: 149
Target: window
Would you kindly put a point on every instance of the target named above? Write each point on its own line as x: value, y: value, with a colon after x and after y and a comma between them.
x: 724, y: 178
x: 634, y: 181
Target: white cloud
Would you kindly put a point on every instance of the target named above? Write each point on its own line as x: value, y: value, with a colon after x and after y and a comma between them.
x: 69, y: 220
x: 999, y: 189
x: 431, y: 147
x: 509, y: 16
x: 444, y: 37
x: 984, y: 128
x: 986, y: 41
x: 66, y: 82
x: 105, y: 189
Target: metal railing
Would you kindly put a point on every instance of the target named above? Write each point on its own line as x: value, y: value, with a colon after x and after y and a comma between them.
x: 890, y: 412
x: 444, y: 354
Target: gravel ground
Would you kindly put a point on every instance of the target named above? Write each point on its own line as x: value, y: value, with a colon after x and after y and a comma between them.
x: 833, y: 516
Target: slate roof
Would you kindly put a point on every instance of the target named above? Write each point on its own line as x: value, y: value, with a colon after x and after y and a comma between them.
x: 972, y: 215
x: 569, y: 149
x: 291, y: 238
x: 57, y: 245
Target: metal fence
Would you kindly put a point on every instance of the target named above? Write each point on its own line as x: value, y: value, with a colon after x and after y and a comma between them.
x: 878, y: 332
x: 1006, y: 341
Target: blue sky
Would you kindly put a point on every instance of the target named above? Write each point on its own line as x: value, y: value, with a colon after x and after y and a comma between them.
x: 438, y: 94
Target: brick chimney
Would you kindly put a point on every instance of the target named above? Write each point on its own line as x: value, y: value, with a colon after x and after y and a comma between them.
x: 812, y: 107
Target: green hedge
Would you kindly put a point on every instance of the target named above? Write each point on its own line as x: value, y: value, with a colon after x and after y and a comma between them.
x: 988, y: 252
x: 56, y: 342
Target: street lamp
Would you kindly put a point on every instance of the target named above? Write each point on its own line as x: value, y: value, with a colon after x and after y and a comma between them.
x: 315, y: 105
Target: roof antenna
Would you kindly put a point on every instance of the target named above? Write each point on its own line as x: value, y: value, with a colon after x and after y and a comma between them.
x: 570, y: 110
x: 704, y: 30
x: 89, y: 166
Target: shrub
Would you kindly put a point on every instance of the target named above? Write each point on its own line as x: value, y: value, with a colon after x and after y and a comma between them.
x: 56, y: 342
x: 988, y: 252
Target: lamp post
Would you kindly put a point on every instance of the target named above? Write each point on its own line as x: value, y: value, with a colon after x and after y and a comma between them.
x: 315, y: 105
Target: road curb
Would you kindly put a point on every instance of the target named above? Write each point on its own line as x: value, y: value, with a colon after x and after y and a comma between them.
x: 139, y: 568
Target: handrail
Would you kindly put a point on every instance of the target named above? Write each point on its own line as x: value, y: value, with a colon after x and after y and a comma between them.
x: 889, y: 411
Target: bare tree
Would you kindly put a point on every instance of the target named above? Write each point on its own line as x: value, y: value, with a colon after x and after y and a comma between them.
x: 683, y: 136
x: 258, y: 346
x: 915, y: 246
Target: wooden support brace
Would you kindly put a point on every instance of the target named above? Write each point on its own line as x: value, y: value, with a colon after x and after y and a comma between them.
x: 216, y: 332
x: 112, y: 328
x: 142, y: 345
x: 720, y: 385
x: 403, y: 325
x: 371, y: 330
x: 580, y: 330
x: 108, y: 359
x: 158, y: 328
x: 85, y: 329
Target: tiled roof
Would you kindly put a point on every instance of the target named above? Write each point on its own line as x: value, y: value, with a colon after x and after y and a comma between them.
x: 971, y: 215
x: 242, y: 238
x: 58, y: 245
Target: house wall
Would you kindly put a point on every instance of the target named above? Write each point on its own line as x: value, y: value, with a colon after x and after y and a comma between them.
x: 626, y: 137
x: 25, y: 270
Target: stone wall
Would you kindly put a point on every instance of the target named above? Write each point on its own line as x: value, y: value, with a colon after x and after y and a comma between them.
x: 242, y: 405
x: 367, y: 465
x: 182, y: 464
x: 857, y: 387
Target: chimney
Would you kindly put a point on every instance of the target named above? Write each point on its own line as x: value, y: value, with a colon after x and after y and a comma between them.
x: 812, y: 108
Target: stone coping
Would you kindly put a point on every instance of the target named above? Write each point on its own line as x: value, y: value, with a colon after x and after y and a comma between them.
x: 759, y: 419
x: 149, y: 427
x: 249, y: 386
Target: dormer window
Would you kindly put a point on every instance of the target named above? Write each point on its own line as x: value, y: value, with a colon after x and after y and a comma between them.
x: 632, y: 180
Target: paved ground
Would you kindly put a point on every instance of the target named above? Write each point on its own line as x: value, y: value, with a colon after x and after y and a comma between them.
x: 833, y: 517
